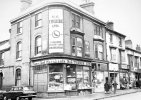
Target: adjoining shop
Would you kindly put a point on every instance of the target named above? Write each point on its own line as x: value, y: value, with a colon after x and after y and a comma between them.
x: 99, y: 74
x: 62, y: 76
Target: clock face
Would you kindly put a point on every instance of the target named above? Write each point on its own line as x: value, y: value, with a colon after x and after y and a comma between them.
x: 55, y: 34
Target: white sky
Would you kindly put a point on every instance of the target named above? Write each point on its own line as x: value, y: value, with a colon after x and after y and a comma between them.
x: 126, y: 15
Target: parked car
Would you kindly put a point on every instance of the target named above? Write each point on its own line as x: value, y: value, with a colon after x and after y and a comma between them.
x: 20, y: 92
x: 2, y: 92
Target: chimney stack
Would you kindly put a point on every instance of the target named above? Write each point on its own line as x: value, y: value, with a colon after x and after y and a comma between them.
x: 128, y: 43
x: 110, y: 25
x: 25, y: 4
x: 89, y: 6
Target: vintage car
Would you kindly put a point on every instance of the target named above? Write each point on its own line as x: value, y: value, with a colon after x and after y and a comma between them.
x: 20, y: 93
x: 2, y: 92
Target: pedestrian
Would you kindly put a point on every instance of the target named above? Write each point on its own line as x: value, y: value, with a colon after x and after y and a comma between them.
x: 115, y: 86
x: 106, y: 86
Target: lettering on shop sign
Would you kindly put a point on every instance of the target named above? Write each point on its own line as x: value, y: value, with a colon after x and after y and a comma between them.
x: 67, y: 61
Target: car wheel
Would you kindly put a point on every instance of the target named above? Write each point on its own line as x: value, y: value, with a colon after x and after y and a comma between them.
x: 5, y: 98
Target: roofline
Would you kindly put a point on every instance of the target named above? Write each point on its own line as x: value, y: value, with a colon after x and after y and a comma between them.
x: 1, y: 42
x: 86, y: 13
x: 116, y: 32
x: 133, y: 50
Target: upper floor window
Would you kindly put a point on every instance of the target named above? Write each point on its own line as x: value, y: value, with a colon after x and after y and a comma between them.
x: 98, y: 51
x: 136, y: 61
x: 38, y: 45
x: 75, y: 21
x: 87, y: 48
x: 113, y: 54
x: 77, y: 46
x: 120, y: 41
x: 38, y: 20
x: 1, y: 58
x: 122, y: 56
x: 19, y: 50
x: 98, y: 30
x: 111, y: 38
x: 20, y: 27
x: 130, y: 60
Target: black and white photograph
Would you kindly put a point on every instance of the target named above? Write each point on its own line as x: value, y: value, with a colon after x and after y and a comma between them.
x: 70, y: 49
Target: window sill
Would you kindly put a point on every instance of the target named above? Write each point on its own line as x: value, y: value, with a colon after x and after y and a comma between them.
x: 19, y: 34
x: 38, y: 55
x: 18, y: 59
x: 38, y: 27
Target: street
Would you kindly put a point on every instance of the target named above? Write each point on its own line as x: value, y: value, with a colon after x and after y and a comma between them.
x: 132, y: 96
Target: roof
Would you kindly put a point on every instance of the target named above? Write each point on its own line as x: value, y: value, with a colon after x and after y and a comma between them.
x: 133, y: 50
x: 4, y: 45
x: 66, y: 3
x: 120, y: 34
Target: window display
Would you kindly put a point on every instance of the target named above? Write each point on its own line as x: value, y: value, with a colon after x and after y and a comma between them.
x: 55, y: 78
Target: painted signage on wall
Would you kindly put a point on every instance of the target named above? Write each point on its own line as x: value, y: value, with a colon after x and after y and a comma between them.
x: 66, y: 61
x: 113, y: 67
x: 55, y: 30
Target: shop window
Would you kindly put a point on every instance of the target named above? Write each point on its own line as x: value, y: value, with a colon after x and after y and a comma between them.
x: 38, y: 45
x: 19, y: 50
x: 38, y: 20
x: 18, y: 77
x: 75, y: 21
x: 19, y: 28
x: 71, y: 77
x: 87, y: 49
x: 83, y: 79
x: 77, y: 46
x: 55, y: 78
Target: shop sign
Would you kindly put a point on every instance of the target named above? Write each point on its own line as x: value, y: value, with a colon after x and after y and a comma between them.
x: 102, y: 67
x: 55, y: 30
x: 113, y: 67
x: 67, y: 61
x: 124, y: 66
x: 134, y: 69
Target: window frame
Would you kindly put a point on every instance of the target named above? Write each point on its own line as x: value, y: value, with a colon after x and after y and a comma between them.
x: 97, y: 51
x: 38, y: 20
x: 19, y: 50
x: 76, y: 47
x: 76, y: 20
x: 38, y: 46
x: 20, y: 27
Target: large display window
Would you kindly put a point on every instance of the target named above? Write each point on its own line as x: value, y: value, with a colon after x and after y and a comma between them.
x: 55, y: 78
x: 83, y: 79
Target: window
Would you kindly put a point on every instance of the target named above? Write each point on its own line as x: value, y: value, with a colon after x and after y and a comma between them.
x: 38, y: 20
x: 122, y: 56
x: 55, y: 77
x: 71, y: 77
x: 18, y: 77
x: 87, y: 49
x: 113, y: 54
x: 75, y: 21
x: 120, y: 41
x: 1, y: 58
x: 136, y: 61
x: 77, y: 46
x: 19, y: 50
x: 19, y: 28
x: 38, y: 45
x: 98, y: 30
x: 98, y: 51
x: 111, y: 38
x: 130, y: 60
x: 83, y: 77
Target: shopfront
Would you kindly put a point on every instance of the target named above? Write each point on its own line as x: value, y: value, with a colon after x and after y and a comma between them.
x: 99, y: 74
x: 114, y: 73
x: 133, y: 76
x: 62, y: 77
x: 124, y: 76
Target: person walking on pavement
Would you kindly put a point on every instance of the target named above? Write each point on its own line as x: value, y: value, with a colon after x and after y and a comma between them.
x: 115, y: 86
x: 106, y: 86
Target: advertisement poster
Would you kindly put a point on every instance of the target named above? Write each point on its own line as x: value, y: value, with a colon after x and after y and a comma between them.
x: 55, y: 31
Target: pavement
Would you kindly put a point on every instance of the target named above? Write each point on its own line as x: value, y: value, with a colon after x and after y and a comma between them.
x: 94, y: 96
